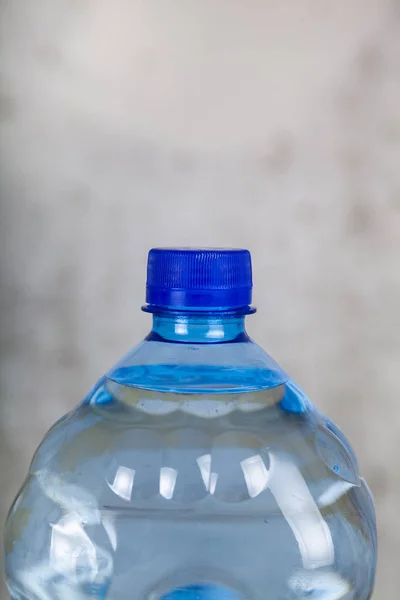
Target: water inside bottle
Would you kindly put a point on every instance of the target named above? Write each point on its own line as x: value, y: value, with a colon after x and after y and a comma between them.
x: 211, y: 488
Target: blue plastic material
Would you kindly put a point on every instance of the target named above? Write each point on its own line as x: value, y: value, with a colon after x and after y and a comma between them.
x: 199, y: 278
x: 202, y: 592
x: 195, y: 469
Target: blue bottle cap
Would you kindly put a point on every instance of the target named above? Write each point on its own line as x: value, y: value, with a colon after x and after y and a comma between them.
x: 199, y: 278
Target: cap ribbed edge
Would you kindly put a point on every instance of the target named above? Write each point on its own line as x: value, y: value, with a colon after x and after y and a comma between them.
x: 199, y: 277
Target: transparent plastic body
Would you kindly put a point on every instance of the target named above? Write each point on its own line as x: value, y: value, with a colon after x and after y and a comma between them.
x: 194, y: 470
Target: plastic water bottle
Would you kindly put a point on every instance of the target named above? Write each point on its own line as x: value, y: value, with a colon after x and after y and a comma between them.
x: 196, y: 469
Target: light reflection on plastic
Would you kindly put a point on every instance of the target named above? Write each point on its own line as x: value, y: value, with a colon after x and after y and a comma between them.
x: 70, y: 545
x: 255, y: 474
x: 213, y: 482
x: 321, y: 585
x: 209, y: 479
x: 108, y: 522
x: 301, y: 513
x: 123, y: 483
x: 334, y: 492
x: 181, y: 328
x: 215, y: 332
x: 168, y: 477
x: 72, y: 553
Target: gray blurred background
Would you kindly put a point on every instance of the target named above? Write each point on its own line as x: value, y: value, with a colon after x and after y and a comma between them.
x: 273, y: 125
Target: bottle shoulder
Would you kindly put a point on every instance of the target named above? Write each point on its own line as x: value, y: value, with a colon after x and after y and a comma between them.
x: 142, y: 432
x: 239, y: 365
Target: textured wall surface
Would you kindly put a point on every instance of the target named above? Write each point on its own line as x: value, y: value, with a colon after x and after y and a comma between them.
x: 272, y: 125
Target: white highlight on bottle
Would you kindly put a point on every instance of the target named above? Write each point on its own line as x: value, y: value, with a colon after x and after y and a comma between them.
x: 181, y: 328
x: 215, y: 332
x: 323, y: 585
x: 301, y: 512
x: 209, y: 479
x: 123, y: 483
x: 168, y: 477
x: 334, y: 492
x: 255, y: 474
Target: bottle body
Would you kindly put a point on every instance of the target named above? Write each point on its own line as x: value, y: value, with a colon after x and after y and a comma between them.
x: 195, y: 469
x: 186, y: 487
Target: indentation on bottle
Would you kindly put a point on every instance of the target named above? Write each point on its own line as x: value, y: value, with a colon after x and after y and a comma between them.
x: 336, y: 457
x: 185, y: 476
x: 240, y: 466
x: 255, y: 401
x: 209, y: 408
x: 133, y: 473
x: 301, y: 512
x: 205, y: 406
x: 80, y: 553
x: 294, y: 399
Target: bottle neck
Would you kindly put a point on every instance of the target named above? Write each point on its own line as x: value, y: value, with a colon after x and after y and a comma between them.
x: 198, y: 353
x: 195, y: 328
